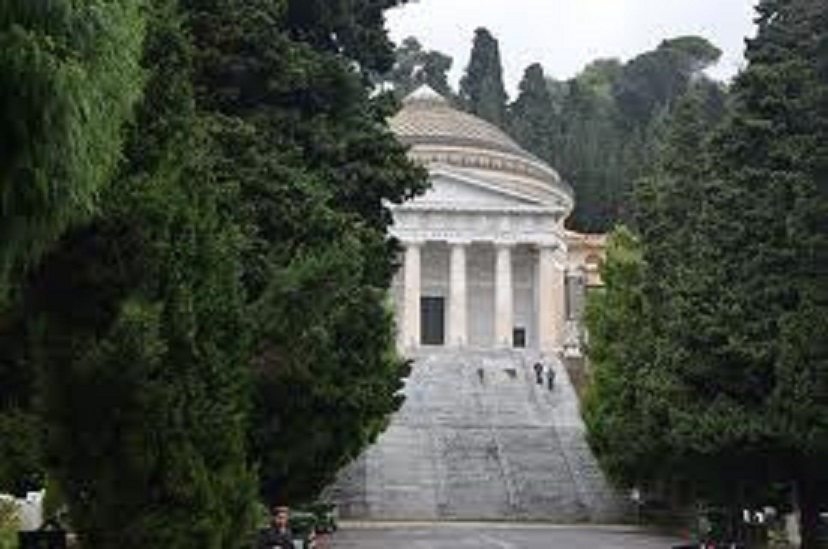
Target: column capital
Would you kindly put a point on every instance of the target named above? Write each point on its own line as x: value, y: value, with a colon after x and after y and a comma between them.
x: 554, y: 252
x: 505, y: 244
x: 459, y: 242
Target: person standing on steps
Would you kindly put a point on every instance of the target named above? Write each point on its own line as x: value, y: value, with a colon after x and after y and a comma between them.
x: 539, y: 373
x: 550, y: 378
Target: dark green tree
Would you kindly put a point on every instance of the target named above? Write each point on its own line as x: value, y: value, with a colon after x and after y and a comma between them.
x: 354, y: 28
x: 655, y: 339
x: 70, y: 77
x: 415, y: 66
x: 733, y: 240
x: 135, y: 321
x: 772, y: 160
x: 602, y: 129
x: 481, y: 89
x: 622, y: 414
x: 614, y: 122
x: 533, y: 121
x: 652, y: 81
x: 590, y: 155
x: 309, y: 151
x: 600, y: 76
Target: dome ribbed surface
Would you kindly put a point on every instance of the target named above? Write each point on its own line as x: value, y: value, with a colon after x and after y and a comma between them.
x: 440, y: 135
x: 428, y: 119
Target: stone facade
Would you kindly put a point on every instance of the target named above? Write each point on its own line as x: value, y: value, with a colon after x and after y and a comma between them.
x: 491, y: 284
x: 487, y: 256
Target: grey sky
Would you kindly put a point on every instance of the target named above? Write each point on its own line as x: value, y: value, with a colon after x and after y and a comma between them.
x: 564, y: 35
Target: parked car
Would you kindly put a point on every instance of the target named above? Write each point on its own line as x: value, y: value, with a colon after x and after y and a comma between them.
x: 304, y: 527
x: 327, y: 516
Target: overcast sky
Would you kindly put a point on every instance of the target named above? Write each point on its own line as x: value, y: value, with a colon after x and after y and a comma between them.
x: 564, y: 35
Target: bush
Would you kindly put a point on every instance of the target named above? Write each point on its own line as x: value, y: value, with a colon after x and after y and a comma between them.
x: 8, y: 524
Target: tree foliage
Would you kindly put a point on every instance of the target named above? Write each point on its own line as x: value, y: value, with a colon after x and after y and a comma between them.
x: 134, y: 323
x: 622, y: 416
x: 224, y: 305
x: 313, y: 162
x: 71, y: 76
x: 653, y: 80
x: 415, y: 66
x: 353, y: 28
x: 481, y: 89
x: 603, y: 129
x: 532, y: 118
x: 732, y: 285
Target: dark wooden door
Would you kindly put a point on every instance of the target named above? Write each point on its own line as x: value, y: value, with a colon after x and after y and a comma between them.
x: 433, y: 321
x: 519, y: 338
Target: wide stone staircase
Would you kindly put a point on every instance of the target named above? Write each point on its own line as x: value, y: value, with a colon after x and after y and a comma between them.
x: 479, y: 439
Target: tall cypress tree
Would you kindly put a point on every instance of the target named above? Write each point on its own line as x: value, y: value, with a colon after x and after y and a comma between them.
x: 533, y: 121
x: 136, y: 323
x: 773, y: 159
x: 481, y: 89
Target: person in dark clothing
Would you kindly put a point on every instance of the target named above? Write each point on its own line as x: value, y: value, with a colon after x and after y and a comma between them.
x: 550, y: 378
x: 278, y: 536
x: 539, y: 373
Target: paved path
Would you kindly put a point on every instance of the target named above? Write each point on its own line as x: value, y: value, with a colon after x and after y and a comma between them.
x: 491, y: 536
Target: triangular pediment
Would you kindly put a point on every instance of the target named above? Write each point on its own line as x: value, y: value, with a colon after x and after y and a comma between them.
x: 455, y: 190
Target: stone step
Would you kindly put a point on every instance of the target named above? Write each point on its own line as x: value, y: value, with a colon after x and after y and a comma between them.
x: 479, y: 439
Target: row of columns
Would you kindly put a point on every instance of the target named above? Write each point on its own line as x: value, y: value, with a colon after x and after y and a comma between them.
x: 551, y: 297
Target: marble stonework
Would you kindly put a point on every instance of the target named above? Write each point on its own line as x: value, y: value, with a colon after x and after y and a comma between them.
x: 487, y: 265
x: 488, y: 238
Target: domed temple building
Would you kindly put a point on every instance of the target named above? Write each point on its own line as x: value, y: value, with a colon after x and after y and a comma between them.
x: 488, y: 262
x: 488, y: 302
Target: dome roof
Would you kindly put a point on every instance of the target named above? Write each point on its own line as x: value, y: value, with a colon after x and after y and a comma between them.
x: 428, y: 118
x: 440, y: 134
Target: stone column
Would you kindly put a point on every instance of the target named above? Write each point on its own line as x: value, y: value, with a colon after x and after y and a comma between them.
x: 504, y: 295
x: 458, y: 300
x: 411, y: 295
x: 551, y: 300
